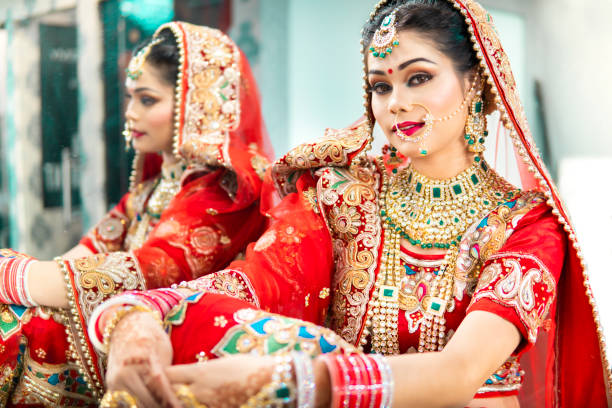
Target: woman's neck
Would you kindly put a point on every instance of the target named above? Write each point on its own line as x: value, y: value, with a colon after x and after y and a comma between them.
x: 169, y: 159
x: 442, y: 165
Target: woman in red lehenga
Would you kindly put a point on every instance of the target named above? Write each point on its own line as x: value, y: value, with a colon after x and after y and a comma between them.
x: 442, y: 284
x: 193, y: 116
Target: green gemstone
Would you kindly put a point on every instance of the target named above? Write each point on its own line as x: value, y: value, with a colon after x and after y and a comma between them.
x: 486, y: 133
x: 383, y: 55
x: 472, y: 211
x: 435, y: 306
x: 467, y: 137
x: 372, y: 49
x: 283, y: 392
x: 486, y: 202
x: 392, y: 154
x: 478, y: 107
x: 456, y: 219
x: 403, y: 205
x: 396, y: 43
x: 437, y: 192
x: 441, y: 222
x: 428, y: 221
x: 375, y: 53
x: 484, y: 166
x: 481, y: 140
x: 457, y: 189
x: 383, y: 213
x: 389, y: 50
x: 474, y: 179
x: 453, y: 243
x: 423, y: 152
x: 388, y: 292
x: 394, y: 171
x: 419, y: 187
x: 477, y: 159
x: 429, y: 245
x: 410, y: 177
x: 471, y: 142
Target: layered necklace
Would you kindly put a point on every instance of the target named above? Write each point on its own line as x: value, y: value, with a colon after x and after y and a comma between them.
x: 432, y: 214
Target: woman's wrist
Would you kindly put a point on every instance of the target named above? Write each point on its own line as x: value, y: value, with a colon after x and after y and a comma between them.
x: 322, y: 383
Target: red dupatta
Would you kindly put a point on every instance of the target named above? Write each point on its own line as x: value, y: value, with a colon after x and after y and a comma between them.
x: 218, y: 120
x: 568, y: 366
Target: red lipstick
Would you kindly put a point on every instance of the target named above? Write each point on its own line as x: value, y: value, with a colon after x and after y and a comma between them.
x: 408, y: 128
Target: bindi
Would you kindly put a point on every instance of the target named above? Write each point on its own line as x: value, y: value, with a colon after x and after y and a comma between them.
x: 390, y: 71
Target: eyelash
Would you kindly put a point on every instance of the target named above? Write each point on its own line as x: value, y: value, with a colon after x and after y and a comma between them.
x: 144, y: 100
x: 421, y: 77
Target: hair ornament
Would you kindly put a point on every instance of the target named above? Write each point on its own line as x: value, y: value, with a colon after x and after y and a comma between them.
x: 134, y: 69
x: 385, y: 38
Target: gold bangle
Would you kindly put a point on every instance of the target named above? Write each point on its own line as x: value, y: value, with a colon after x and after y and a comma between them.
x: 187, y: 398
x: 118, y: 316
x: 118, y: 399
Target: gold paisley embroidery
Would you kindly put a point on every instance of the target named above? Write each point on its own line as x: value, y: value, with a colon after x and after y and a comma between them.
x: 345, y: 221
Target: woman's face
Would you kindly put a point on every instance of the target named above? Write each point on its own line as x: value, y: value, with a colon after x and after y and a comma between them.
x: 417, y: 74
x: 150, y: 111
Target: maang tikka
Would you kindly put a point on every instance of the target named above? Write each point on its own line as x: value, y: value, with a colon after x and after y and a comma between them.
x: 134, y: 69
x: 385, y: 38
x: 476, y: 125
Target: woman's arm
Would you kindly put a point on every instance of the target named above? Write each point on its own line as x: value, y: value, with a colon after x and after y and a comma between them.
x: 79, y: 251
x: 482, y: 342
x: 46, y: 284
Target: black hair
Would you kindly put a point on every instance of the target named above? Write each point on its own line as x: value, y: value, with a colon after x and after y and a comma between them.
x: 164, y: 55
x: 438, y: 20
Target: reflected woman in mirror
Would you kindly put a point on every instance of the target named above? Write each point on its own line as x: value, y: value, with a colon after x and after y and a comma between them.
x: 194, y: 119
x: 432, y: 281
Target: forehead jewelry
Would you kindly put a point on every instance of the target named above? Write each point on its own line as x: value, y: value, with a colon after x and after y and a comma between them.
x: 134, y: 69
x: 385, y: 38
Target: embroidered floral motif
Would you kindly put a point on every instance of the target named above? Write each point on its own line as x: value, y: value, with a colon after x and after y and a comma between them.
x: 265, y: 333
x: 522, y: 282
x: 311, y: 198
x: 108, y: 234
x: 324, y: 293
x: 220, y: 321
x: 345, y: 221
x: 228, y: 282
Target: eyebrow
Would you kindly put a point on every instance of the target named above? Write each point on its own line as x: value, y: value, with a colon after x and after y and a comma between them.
x: 145, y: 89
x: 401, y: 66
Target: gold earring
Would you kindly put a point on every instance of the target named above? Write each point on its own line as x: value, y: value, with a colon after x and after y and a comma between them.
x: 127, y: 135
x: 476, y: 126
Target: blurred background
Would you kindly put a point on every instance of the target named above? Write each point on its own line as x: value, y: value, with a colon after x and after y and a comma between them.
x: 61, y: 93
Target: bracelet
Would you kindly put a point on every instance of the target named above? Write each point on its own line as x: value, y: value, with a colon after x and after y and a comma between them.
x: 305, y: 381
x: 14, y: 288
x: 120, y: 314
x: 360, y: 380
x: 280, y: 391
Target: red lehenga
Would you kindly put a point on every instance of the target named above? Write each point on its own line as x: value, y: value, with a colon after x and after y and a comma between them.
x: 320, y: 259
x: 174, y: 224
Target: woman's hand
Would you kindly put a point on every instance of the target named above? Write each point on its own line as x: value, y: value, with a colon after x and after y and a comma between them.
x: 223, y: 383
x: 139, y: 352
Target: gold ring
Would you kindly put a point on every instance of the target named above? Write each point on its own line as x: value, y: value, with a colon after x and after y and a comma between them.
x: 118, y: 399
x: 187, y: 398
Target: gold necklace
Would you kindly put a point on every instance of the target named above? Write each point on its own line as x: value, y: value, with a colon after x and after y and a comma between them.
x: 434, y: 213
x: 383, y: 308
x: 168, y: 185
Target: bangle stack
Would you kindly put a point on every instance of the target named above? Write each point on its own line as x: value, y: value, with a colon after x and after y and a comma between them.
x: 120, y: 314
x: 305, y: 381
x: 359, y: 380
x: 159, y: 301
x: 14, y: 273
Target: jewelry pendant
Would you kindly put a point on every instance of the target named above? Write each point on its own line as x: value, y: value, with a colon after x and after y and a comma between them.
x: 388, y: 293
x: 436, y: 306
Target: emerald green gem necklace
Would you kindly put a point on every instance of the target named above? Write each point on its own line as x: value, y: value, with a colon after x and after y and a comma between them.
x: 433, y: 213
